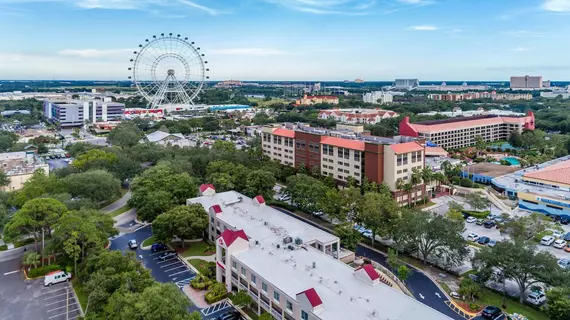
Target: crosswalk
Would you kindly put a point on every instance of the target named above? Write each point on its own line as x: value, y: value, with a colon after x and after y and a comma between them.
x: 216, y: 308
x: 180, y: 284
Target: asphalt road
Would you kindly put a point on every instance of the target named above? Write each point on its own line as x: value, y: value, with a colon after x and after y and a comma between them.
x: 28, y: 299
x: 117, y: 204
x: 172, y: 270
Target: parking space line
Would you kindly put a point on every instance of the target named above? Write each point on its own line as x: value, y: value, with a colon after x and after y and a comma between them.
x: 170, y: 275
x: 11, y: 272
x: 52, y: 291
x: 168, y: 260
x: 171, y: 264
x: 59, y: 295
x: 61, y: 314
x: 49, y: 304
x: 73, y: 303
x: 154, y: 254
x: 180, y: 266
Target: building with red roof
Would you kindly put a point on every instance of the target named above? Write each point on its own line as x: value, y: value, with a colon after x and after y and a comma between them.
x: 310, y: 100
x: 207, y: 189
x: 357, y: 116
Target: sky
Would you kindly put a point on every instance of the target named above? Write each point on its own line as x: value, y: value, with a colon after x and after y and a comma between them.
x: 318, y: 40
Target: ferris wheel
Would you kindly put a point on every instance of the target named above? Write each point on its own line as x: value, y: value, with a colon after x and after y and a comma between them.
x: 168, y: 70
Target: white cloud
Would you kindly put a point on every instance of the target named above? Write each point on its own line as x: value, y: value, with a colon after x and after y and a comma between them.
x: 521, y: 49
x: 424, y: 28
x: 339, y: 7
x: 557, y: 5
x: 416, y: 1
x: 250, y: 52
x: 94, y: 53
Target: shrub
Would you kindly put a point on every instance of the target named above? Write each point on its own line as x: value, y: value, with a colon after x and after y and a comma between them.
x: 465, y: 182
x: 455, y: 180
x: 42, y: 271
x: 201, y: 282
x: 24, y: 242
x: 216, y: 293
x: 3, y: 247
x: 473, y: 307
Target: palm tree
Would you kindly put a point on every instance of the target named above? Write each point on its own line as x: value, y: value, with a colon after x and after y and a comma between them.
x: 446, y: 167
x: 31, y: 259
x: 416, y: 179
x: 399, y: 186
x: 427, y: 176
x: 408, y: 187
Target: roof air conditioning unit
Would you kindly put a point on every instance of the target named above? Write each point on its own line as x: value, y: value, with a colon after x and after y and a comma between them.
x: 298, y: 241
x: 290, y: 247
x: 287, y: 240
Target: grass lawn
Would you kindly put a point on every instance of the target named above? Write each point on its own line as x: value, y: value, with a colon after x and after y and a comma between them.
x: 148, y: 242
x: 489, y: 297
x: 539, y: 236
x: 195, y: 249
x: 425, y: 205
x: 122, y: 209
x: 200, y: 265
x: 262, y: 103
x: 80, y: 292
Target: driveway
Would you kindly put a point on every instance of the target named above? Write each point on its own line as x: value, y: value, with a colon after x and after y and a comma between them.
x: 117, y: 204
x: 29, y: 300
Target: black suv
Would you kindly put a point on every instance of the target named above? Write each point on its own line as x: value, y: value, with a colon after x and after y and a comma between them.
x: 489, y: 224
x: 491, y: 312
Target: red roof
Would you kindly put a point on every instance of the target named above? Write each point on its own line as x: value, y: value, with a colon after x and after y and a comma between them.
x: 259, y: 199
x: 370, y: 271
x: 343, y: 143
x: 217, y: 208
x: 53, y: 272
x: 556, y: 173
x: 204, y: 187
x: 313, y: 297
x: 406, y: 147
x: 284, y: 133
x: 230, y: 236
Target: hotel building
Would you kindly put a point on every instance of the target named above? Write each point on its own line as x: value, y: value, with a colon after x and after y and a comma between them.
x: 461, y: 132
x: 292, y: 270
x: 309, y: 100
x: 526, y: 82
x: 341, y: 154
x: 355, y: 116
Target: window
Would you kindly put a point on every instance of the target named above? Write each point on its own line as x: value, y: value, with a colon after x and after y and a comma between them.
x: 346, y: 154
x: 253, y: 279
x: 289, y: 306
x: 356, y: 156
x: 304, y: 315
x: 276, y: 296
x: 243, y: 271
x: 264, y: 287
x: 356, y: 167
x: 234, y: 265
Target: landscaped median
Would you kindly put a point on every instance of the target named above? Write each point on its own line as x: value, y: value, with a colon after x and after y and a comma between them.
x: 40, y: 272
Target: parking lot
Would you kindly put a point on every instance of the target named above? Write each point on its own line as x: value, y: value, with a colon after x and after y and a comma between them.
x: 22, y: 299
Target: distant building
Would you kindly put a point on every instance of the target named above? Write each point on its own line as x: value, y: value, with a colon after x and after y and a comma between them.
x: 479, y: 95
x: 377, y: 97
x: 526, y: 82
x: 20, y: 166
x: 164, y: 138
x: 457, y: 112
x: 461, y: 132
x: 74, y: 113
x: 406, y: 83
x: 309, y: 100
x: 354, y: 116
x: 228, y: 84
x: 564, y: 93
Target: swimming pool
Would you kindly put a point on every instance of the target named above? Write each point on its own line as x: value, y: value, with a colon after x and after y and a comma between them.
x: 513, y: 161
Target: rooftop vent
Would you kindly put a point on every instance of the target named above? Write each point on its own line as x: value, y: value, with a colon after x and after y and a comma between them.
x: 298, y: 241
x: 314, y: 264
x: 290, y: 247
x: 287, y: 240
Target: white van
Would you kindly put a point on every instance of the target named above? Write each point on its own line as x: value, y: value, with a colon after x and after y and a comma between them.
x: 536, y: 298
x: 56, y: 277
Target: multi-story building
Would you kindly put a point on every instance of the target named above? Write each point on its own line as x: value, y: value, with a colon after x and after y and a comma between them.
x: 406, y: 83
x: 355, y: 116
x: 526, y: 82
x: 20, y: 166
x: 309, y: 100
x: 377, y: 97
x: 480, y: 95
x: 461, y: 132
x: 344, y: 154
x: 73, y: 113
x: 293, y: 270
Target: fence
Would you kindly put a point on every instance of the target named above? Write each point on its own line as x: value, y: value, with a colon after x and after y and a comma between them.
x: 392, y: 277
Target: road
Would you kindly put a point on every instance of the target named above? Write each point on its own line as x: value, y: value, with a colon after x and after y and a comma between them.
x: 117, y: 204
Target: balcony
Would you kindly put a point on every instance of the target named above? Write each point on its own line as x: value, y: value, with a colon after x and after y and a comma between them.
x: 277, y: 314
x: 264, y: 302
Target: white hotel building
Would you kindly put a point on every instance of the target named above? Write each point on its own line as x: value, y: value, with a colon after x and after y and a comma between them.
x: 292, y: 270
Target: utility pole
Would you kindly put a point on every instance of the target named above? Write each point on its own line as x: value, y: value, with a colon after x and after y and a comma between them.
x: 43, y: 245
x: 67, y: 304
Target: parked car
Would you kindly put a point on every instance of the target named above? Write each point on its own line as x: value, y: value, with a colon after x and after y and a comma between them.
x: 483, y: 240
x: 471, y: 219
x: 536, y: 298
x: 491, y: 312
x: 489, y: 224
x: 158, y: 247
x: 167, y: 255
x: 492, y: 243
x: 473, y: 237
x: 547, y: 240
x: 564, y: 263
x: 55, y: 277
x: 230, y: 315
x: 565, y: 220
x: 557, y: 234
x: 559, y: 244
x: 133, y: 244
x: 480, y: 222
x: 567, y: 236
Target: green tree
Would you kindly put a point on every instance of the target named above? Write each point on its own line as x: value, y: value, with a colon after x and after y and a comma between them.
x: 477, y: 201
x: 521, y: 262
x: 125, y: 135
x: 404, y: 272
x: 349, y: 237
x: 306, y: 192
x: 469, y: 288
x: 376, y: 211
x: 97, y: 185
x: 558, y: 307
x: 241, y: 299
x: 224, y: 146
x: 31, y: 258
x: 72, y: 248
x: 4, y: 179
x: 265, y: 316
x: 184, y: 222
x: 162, y: 301
x: 260, y: 182
x: 38, y: 185
x: 94, y: 158
x: 480, y: 144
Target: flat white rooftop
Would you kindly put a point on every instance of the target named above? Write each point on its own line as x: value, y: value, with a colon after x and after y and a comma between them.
x: 344, y: 295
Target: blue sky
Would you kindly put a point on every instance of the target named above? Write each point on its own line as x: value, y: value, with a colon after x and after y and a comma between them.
x: 293, y: 39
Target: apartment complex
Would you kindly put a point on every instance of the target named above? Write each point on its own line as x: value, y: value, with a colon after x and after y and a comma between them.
x: 20, y: 166
x: 461, y: 132
x: 377, y: 97
x: 309, y: 100
x: 341, y: 154
x: 526, y: 82
x: 73, y: 113
x: 355, y: 116
x: 480, y: 95
x: 292, y: 269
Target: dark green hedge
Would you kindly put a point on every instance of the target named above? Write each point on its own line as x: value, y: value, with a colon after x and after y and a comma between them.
x: 42, y: 271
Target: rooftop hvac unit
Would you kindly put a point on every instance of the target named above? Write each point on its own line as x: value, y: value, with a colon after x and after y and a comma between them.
x: 298, y: 241
x: 291, y: 247
x: 287, y: 240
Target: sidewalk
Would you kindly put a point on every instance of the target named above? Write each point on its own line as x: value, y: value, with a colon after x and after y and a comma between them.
x: 211, y: 258
x: 196, y: 296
